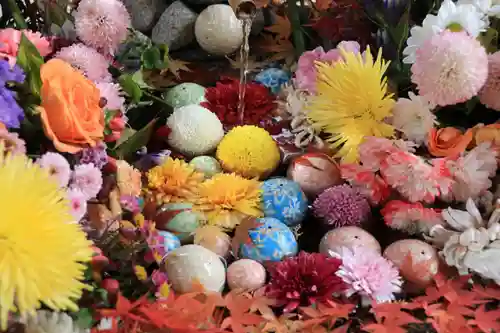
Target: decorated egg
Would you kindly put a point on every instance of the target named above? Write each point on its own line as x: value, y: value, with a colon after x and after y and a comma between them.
x: 417, y: 261
x: 207, y: 165
x: 185, y: 94
x: 218, y: 30
x: 273, y: 78
x: 348, y: 237
x: 178, y: 218
x: 271, y: 240
x: 315, y: 172
x: 191, y: 265
x: 170, y: 241
x: 246, y: 274
x: 284, y: 200
x: 214, y: 239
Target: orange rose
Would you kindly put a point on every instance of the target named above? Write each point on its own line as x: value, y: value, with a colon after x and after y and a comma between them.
x: 448, y: 141
x: 71, y: 115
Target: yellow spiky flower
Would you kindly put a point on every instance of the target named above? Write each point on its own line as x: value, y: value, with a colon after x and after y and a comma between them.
x: 226, y: 198
x: 42, y: 253
x: 173, y: 181
x: 352, y: 102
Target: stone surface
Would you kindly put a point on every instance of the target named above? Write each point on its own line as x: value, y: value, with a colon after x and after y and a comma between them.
x: 175, y: 26
x: 144, y: 12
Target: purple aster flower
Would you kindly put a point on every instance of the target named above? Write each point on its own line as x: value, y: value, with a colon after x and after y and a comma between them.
x: 96, y: 155
x: 8, y: 73
x: 12, y: 114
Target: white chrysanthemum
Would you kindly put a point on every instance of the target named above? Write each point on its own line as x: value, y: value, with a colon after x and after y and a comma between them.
x: 52, y: 322
x: 413, y: 117
x: 487, y: 7
x: 195, y: 130
x: 451, y: 16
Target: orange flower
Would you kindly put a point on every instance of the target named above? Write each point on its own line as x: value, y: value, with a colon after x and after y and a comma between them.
x: 448, y: 141
x: 488, y: 133
x: 71, y: 115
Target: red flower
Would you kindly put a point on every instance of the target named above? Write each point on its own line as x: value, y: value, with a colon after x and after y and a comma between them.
x: 223, y: 101
x: 304, y: 280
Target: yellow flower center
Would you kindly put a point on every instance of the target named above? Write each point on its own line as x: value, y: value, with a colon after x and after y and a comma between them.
x: 454, y: 27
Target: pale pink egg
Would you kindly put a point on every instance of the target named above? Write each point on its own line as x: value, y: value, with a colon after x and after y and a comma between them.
x: 246, y: 274
x: 348, y: 237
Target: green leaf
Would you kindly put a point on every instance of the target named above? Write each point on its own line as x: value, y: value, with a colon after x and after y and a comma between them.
x: 151, y: 58
x: 135, y: 142
x: 489, y: 40
x: 84, y: 318
x: 30, y: 60
x: 126, y: 134
x: 138, y: 78
x: 17, y: 15
x: 166, y: 58
x: 131, y: 88
x: 400, y: 33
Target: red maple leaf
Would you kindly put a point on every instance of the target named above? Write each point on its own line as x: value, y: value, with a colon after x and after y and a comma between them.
x: 486, y: 321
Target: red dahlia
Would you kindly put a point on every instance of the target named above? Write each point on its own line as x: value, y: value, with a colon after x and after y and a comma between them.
x: 303, y: 280
x: 223, y: 101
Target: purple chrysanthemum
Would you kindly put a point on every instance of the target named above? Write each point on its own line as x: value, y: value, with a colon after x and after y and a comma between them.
x: 341, y: 206
x: 96, y: 155
x: 87, y: 60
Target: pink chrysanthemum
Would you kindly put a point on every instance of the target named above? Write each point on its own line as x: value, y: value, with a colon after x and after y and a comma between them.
x: 450, y: 68
x: 113, y: 95
x: 367, y: 273
x: 102, y: 24
x: 489, y: 94
x: 87, y: 60
x: 57, y: 166
x: 412, y: 218
x: 88, y: 179
x: 341, y: 206
x: 369, y: 184
x: 78, y: 203
x: 10, y: 39
x: 374, y: 150
x: 11, y: 142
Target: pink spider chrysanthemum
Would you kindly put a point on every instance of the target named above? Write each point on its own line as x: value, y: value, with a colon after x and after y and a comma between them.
x: 102, y: 24
x: 88, y: 179
x: 368, y: 274
x: 412, y: 218
x: 113, y: 95
x: 87, y: 60
x: 450, y: 68
x: 489, y: 94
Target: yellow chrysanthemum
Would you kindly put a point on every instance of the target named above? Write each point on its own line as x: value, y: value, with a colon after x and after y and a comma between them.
x: 42, y: 253
x: 226, y: 198
x: 352, y: 102
x: 173, y: 181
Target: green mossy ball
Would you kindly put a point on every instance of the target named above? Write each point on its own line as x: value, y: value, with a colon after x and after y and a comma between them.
x: 185, y: 94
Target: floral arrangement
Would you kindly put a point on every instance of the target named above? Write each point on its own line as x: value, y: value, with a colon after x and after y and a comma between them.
x: 339, y: 175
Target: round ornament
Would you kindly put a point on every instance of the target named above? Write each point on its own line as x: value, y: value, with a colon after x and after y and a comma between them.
x: 207, y: 165
x: 194, y: 130
x: 273, y: 78
x: 246, y: 274
x: 417, y: 261
x: 349, y: 237
x: 185, y: 94
x: 315, y: 172
x: 218, y: 30
x: 178, y: 218
x: 214, y: 239
x: 170, y: 241
x: 193, y: 264
x: 270, y: 241
x: 284, y: 200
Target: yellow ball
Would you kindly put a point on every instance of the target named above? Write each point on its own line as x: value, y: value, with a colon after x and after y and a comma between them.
x: 249, y: 151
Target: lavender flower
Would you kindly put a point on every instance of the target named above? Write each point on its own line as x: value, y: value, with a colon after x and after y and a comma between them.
x: 10, y: 74
x: 96, y: 155
x: 12, y: 114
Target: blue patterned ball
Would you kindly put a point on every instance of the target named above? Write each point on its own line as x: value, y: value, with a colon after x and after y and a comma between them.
x: 170, y: 241
x: 271, y: 241
x: 284, y: 200
x: 273, y: 78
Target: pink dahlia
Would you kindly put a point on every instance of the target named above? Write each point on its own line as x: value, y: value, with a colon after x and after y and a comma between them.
x: 57, y: 167
x: 88, y: 179
x: 304, y: 280
x: 102, y: 24
x: 305, y: 76
x: 412, y: 218
x: 367, y: 273
x: 489, y: 94
x: 10, y: 39
x: 113, y: 95
x: 77, y: 203
x: 87, y: 60
x: 341, y: 206
x: 450, y: 68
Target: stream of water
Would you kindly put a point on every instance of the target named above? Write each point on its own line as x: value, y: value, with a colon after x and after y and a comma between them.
x: 244, y: 52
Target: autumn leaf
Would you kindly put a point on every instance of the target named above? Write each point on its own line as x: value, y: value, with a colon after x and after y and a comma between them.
x: 240, y: 318
x: 444, y: 321
x: 282, y: 28
x: 263, y: 304
x: 390, y: 318
x: 252, y: 63
x: 486, y: 321
x: 282, y: 49
x: 176, y: 66
x: 241, y: 235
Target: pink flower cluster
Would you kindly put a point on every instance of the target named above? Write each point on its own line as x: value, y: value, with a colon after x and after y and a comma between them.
x: 10, y: 39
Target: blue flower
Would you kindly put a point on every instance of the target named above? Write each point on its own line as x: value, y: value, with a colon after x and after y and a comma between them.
x: 8, y: 73
x: 273, y: 78
x: 11, y: 113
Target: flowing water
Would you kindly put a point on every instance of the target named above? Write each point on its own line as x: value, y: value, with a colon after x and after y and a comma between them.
x: 244, y: 52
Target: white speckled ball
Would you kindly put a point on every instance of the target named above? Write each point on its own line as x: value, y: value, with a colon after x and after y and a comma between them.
x: 246, y: 274
x: 218, y: 31
x: 195, y: 130
x: 191, y: 264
